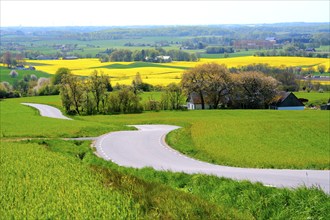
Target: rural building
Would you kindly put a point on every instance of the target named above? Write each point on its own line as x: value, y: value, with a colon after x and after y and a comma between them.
x: 159, y: 59
x: 326, y: 106
x: 310, y: 50
x: 287, y: 101
x: 70, y: 58
x: 194, y: 102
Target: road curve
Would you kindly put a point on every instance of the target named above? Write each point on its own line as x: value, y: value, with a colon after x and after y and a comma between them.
x: 48, y: 111
x: 146, y: 147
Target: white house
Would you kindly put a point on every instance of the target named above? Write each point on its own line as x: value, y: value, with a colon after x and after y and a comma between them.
x: 194, y: 102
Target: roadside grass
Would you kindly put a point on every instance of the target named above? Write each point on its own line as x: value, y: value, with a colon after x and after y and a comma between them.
x: 4, y: 74
x: 243, y: 138
x: 261, y: 138
x: 51, y: 178
x: 18, y: 120
x: 50, y: 183
x: 39, y: 184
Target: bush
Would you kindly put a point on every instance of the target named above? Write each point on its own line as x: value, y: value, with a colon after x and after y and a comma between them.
x: 13, y: 74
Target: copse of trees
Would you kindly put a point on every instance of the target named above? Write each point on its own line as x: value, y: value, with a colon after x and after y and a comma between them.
x: 219, y: 50
x: 214, y: 83
x: 253, y: 90
x: 94, y: 95
x: 150, y: 55
x: 11, y: 60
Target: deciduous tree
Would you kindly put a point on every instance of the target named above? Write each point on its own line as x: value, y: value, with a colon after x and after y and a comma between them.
x: 255, y: 90
x: 98, y: 86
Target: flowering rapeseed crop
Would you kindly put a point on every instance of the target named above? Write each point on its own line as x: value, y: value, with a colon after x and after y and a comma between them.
x: 165, y: 73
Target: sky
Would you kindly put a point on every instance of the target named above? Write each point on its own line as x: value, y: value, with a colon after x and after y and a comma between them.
x: 129, y: 13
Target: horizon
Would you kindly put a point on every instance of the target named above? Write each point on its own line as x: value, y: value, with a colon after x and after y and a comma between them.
x: 164, y: 25
x: 160, y: 13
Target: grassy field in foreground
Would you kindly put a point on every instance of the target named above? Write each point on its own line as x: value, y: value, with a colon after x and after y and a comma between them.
x: 51, y: 178
x: 163, y: 74
x: 247, y: 138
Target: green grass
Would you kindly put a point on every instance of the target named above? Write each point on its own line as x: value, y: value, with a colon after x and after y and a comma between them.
x: 245, y: 138
x: 4, y: 74
x: 32, y: 125
x: 241, y: 53
x: 52, y: 178
x: 38, y: 183
x: 314, y: 98
x: 146, y: 96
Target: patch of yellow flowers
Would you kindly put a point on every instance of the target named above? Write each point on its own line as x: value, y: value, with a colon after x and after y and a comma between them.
x: 163, y: 75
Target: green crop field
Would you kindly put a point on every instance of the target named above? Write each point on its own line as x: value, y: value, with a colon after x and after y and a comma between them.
x: 45, y: 177
x: 314, y: 98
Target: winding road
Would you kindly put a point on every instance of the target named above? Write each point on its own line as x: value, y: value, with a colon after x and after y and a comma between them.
x: 48, y: 111
x: 146, y: 147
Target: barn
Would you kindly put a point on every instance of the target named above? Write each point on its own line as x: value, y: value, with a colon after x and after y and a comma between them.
x: 287, y: 101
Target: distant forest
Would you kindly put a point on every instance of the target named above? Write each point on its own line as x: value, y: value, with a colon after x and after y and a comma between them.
x: 283, y: 31
x: 282, y: 39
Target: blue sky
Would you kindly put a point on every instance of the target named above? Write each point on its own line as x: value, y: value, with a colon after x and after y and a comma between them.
x: 118, y: 13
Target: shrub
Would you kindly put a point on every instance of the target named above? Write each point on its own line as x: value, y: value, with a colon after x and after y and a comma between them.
x: 13, y: 74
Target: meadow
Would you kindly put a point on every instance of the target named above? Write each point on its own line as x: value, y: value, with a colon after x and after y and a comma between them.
x: 314, y: 98
x: 4, y: 74
x: 263, y: 140
x: 64, y: 179
x: 165, y: 73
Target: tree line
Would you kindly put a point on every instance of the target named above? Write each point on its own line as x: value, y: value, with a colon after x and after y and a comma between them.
x: 151, y: 55
x: 95, y: 95
x: 214, y: 84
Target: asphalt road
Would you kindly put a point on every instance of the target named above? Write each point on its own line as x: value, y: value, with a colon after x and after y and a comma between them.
x: 48, y: 111
x: 146, y: 148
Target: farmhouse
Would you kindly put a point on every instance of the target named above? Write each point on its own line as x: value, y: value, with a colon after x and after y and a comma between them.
x: 159, y: 59
x: 194, y: 102
x: 287, y: 101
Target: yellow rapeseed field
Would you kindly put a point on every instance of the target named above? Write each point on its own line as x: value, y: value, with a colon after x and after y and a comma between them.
x: 166, y: 72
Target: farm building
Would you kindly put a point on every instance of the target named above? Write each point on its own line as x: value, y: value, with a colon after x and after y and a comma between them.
x: 194, y: 102
x: 70, y: 58
x: 326, y: 106
x: 287, y: 101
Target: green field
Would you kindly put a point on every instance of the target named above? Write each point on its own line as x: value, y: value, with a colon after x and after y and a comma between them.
x: 314, y: 98
x: 4, y: 74
x: 64, y: 179
x: 262, y: 141
x: 241, y: 53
